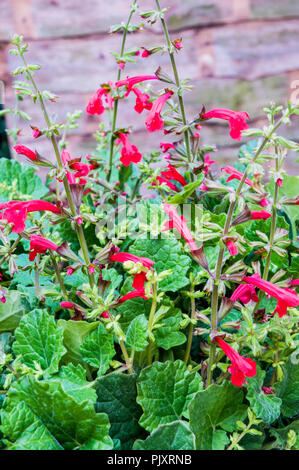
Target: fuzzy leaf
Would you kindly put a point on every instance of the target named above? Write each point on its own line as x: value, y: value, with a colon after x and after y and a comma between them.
x: 11, y: 312
x: 171, y: 436
x: 164, y: 391
x: 40, y: 340
x: 137, y: 333
x: 266, y: 407
x: 288, y: 388
x: 215, y: 406
x: 117, y: 397
x: 97, y: 349
x: 168, y: 334
x: 74, y: 333
x: 73, y: 381
x: 73, y: 425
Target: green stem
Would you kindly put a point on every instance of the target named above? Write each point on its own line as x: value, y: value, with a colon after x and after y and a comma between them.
x: 150, y: 323
x: 177, y: 82
x: 79, y: 229
x: 115, y: 107
x: 218, y: 269
x: 11, y: 249
x: 191, y: 326
x: 58, y: 275
x: 36, y: 276
x: 122, y: 346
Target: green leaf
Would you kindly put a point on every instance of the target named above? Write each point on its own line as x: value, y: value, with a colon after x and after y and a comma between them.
x: 25, y: 430
x: 74, y: 425
x: 167, y: 254
x: 182, y: 197
x: 11, y: 312
x: 117, y: 397
x: 288, y: 389
x: 172, y: 436
x: 220, y: 440
x: 168, y: 334
x: 132, y: 308
x: 164, y: 391
x: 137, y: 333
x: 39, y: 340
x: 266, y: 407
x: 113, y: 276
x: 73, y: 381
x: 97, y: 349
x: 74, y: 333
x: 215, y: 406
x: 26, y: 182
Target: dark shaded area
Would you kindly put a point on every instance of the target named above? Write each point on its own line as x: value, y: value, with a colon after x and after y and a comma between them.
x: 4, y: 147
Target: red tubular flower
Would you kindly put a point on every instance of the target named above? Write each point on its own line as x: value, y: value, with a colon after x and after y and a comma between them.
x: 66, y: 304
x: 15, y: 217
x: 161, y: 180
x: 172, y: 174
x: 132, y: 295
x: 30, y: 206
x: 232, y: 247
x: 129, y: 82
x: 123, y: 257
x: 285, y: 297
x: 208, y: 163
x: 235, y: 174
x: 129, y: 152
x: 245, y: 293
x: 95, y: 104
x: 264, y: 202
x: 141, y: 101
x: 153, y: 120
x: 241, y: 367
x: 166, y: 146
x: 179, y: 223
x: 22, y: 150
x: 39, y: 244
x: 236, y: 120
x: 66, y: 157
x: 256, y: 215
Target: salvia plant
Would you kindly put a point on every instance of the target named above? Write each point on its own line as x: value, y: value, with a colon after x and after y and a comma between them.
x: 148, y: 301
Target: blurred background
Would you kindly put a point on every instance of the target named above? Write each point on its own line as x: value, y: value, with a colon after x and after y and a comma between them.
x: 239, y: 54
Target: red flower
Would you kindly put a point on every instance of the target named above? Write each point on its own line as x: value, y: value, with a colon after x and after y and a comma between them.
x: 66, y: 304
x: 129, y: 82
x: 208, y: 163
x: 178, y: 43
x: 39, y: 244
x: 129, y: 152
x: 236, y: 120
x: 95, y: 104
x: 232, y: 247
x: 123, y: 257
x: 31, y: 206
x: 235, y: 174
x: 141, y: 101
x: 132, y: 295
x: 22, y: 150
x: 15, y: 217
x: 164, y: 180
x: 245, y: 293
x: 255, y: 215
x: 166, y: 146
x: 179, y: 223
x: 241, y: 367
x: 172, y: 174
x: 285, y: 297
x: 264, y: 202
x: 153, y: 120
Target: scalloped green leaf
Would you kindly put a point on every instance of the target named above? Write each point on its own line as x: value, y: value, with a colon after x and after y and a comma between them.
x: 266, y: 407
x: 137, y: 333
x: 288, y: 388
x: 117, y: 397
x: 74, y: 333
x: 21, y: 177
x: 171, y: 436
x: 97, y: 349
x: 39, y: 340
x: 164, y: 391
x: 74, y: 425
x: 73, y: 380
x: 215, y: 406
x: 11, y: 312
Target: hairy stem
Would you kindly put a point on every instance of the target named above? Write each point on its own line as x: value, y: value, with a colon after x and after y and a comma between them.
x: 11, y: 249
x: 218, y: 269
x: 150, y: 323
x: 191, y: 326
x: 79, y: 229
x: 115, y: 106
x: 177, y: 82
